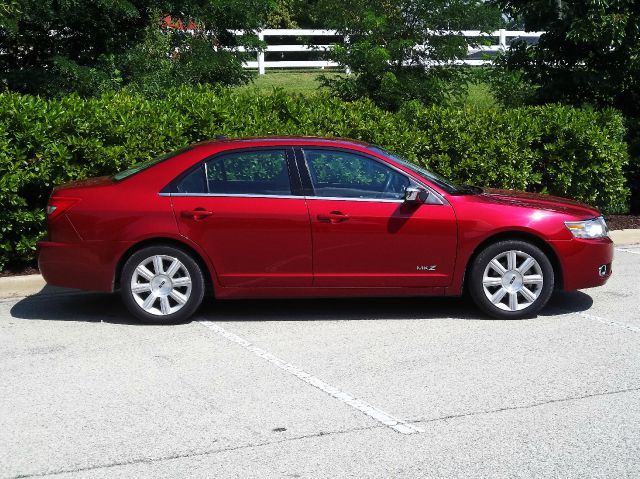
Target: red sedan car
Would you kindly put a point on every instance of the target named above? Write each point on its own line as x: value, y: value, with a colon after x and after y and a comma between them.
x: 310, y: 217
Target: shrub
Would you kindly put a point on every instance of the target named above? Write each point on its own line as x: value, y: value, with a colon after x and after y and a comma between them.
x: 562, y: 150
x: 510, y: 87
x: 632, y: 171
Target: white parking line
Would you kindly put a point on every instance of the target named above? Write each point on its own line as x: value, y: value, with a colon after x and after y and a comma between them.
x: 394, y: 423
x: 627, y: 250
x: 610, y: 322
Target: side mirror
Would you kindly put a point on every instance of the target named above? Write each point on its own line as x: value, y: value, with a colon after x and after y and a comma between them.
x: 415, y: 195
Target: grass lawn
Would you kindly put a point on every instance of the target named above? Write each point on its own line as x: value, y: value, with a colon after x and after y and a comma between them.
x: 479, y: 95
x: 306, y: 83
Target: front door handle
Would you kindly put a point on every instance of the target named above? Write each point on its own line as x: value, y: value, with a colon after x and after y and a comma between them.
x: 333, y: 217
x: 197, y: 213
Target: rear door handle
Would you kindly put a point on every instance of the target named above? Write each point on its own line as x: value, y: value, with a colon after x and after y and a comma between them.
x: 197, y: 213
x: 333, y: 217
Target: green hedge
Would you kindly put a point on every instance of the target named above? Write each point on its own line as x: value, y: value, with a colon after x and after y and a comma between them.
x: 578, y: 153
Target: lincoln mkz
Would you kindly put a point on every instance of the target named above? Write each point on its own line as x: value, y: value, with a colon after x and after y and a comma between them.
x: 311, y: 217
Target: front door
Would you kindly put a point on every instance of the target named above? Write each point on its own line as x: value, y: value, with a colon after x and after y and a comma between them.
x: 365, y: 235
x: 240, y: 209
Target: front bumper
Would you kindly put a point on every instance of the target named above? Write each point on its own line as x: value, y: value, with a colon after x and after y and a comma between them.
x: 583, y: 262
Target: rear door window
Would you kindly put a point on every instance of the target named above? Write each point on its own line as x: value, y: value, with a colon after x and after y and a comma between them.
x: 253, y: 172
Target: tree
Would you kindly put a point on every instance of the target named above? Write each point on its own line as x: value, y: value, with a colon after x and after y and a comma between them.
x: 400, y: 50
x: 53, y: 47
x: 8, y: 11
x: 589, y: 53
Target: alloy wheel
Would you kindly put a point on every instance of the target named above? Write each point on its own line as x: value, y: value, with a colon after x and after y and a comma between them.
x: 512, y: 280
x: 161, y: 285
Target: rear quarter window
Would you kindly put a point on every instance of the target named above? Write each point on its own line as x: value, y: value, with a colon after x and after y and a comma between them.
x: 135, y: 169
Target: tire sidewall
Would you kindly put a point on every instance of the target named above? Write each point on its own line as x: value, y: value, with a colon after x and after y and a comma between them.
x: 480, y: 262
x: 197, y: 285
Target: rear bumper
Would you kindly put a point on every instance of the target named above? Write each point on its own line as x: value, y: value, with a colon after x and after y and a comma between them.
x: 582, y: 260
x: 86, y: 265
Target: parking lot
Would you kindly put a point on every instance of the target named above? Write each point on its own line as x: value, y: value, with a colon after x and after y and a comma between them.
x: 330, y: 388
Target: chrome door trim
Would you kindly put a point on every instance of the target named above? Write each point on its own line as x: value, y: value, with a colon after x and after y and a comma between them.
x: 343, y: 198
x: 289, y: 197
x: 235, y: 195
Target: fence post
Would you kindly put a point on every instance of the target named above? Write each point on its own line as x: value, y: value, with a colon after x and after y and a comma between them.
x: 347, y: 70
x: 261, y: 56
x: 503, y: 39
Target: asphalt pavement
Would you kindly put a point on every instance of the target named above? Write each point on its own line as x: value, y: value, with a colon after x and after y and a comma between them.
x: 324, y: 388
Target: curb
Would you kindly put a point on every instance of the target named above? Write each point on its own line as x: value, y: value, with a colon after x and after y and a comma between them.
x: 627, y: 237
x: 28, y: 285
x: 19, y: 286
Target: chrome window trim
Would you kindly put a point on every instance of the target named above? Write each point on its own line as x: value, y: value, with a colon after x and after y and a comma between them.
x: 439, y: 199
x: 206, y: 175
x: 345, y: 198
x: 234, y: 195
x: 286, y: 197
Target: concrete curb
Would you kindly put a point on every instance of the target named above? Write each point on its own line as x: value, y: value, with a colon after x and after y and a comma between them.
x: 28, y: 285
x: 19, y: 286
x: 625, y: 237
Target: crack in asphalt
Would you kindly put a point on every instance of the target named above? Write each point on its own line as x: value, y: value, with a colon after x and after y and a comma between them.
x: 193, y: 454
x: 210, y: 452
x: 526, y: 406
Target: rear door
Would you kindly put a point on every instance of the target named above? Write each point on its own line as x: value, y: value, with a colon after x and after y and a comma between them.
x: 364, y: 234
x: 240, y: 208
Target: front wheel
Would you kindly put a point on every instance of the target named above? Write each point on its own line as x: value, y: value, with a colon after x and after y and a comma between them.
x: 511, y: 279
x: 162, y: 284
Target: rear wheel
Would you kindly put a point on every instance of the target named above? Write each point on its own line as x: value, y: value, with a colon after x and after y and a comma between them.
x: 162, y: 284
x: 511, y: 279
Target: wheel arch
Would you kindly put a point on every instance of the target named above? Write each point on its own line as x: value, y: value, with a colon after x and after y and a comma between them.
x: 164, y: 241
x: 522, y: 236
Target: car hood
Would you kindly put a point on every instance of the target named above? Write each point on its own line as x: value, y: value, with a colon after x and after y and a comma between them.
x: 539, y: 201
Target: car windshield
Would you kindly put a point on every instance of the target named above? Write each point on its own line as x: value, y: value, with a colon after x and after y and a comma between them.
x: 146, y: 164
x: 446, y: 185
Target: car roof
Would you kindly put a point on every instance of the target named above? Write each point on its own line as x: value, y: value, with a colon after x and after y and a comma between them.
x: 284, y: 140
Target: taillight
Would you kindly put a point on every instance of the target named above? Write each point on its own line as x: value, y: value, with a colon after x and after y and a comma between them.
x: 58, y: 205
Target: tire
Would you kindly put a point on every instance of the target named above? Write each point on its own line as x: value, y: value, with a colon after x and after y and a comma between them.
x: 162, y: 285
x: 511, y: 279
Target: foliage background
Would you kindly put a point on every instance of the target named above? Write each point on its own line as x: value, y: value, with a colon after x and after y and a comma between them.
x: 590, y: 54
x: 574, y: 152
x: 389, y: 43
x: 56, y: 47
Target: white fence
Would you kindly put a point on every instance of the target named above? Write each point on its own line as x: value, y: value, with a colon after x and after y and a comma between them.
x: 499, y: 41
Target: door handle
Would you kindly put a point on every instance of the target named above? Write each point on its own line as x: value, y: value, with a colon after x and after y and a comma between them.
x: 333, y: 217
x: 197, y: 213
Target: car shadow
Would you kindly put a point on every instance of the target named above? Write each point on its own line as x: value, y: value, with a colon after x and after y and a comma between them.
x: 51, y: 304
x: 58, y: 304
x: 564, y: 302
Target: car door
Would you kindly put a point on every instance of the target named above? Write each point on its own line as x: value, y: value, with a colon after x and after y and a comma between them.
x: 239, y: 207
x: 365, y: 234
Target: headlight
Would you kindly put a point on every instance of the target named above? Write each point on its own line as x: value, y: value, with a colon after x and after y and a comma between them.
x: 588, y: 229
